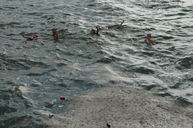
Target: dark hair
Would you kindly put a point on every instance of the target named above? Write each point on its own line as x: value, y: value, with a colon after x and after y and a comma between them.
x: 149, y: 35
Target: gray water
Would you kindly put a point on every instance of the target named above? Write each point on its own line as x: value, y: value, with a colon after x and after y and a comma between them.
x: 34, y: 75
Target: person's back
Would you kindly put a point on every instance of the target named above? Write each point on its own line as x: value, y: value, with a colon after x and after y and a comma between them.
x: 95, y: 32
x: 29, y: 38
x: 55, y: 34
x: 117, y: 26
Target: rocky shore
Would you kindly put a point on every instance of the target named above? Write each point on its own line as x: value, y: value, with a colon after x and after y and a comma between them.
x: 124, y: 107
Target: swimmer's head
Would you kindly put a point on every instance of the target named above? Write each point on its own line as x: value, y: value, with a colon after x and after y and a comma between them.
x: 98, y: 27
x: 54, y: 30
x: 149, y: 36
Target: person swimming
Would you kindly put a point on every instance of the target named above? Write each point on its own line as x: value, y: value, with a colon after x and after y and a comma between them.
x: 149, y: 39
x: 117, y: 26
x: 95, y: 32
x: 29, y: 38
x: 55, y: 34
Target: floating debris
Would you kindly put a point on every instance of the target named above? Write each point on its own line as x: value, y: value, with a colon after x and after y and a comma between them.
x: 50, y: 116
x: 108, y: 125
x: 62, y: 98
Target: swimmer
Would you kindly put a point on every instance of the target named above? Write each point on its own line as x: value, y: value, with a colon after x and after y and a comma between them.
x: 29, y: 38
x: 32, y: 37
x: 117, y: 26
x: 55, y: 34
x: 149, y: 40
x: 96, y: 32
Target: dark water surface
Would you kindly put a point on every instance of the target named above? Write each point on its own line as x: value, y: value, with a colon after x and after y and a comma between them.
x: 33, y: 76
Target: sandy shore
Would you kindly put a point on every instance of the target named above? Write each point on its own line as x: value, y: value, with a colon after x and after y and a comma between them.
x: 124, y: 107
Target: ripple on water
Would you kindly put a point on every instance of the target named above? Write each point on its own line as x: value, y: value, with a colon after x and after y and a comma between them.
x: 12, y: 103
x: 7, y: 63
x: 185, y: 63
x: 143, y: 70
x: 34, y: 76
x: 23, y: 121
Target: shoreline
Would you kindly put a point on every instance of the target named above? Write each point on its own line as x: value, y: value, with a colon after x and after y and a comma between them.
x: 123, y: 107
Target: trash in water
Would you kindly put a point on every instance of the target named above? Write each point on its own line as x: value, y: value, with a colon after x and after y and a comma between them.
x: 50, y: 116
x: 62, y: 97
x: 108, y: 125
